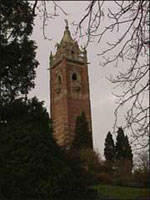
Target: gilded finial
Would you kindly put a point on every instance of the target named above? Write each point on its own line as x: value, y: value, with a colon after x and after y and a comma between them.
x: 66, y: 21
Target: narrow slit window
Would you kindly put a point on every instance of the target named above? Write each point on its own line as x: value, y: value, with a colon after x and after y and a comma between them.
x: 74, y: 77
x: 59, y: 79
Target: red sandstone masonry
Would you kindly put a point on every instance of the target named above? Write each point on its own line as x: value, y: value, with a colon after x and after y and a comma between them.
x: 69, y: 98
x: 67, y: 105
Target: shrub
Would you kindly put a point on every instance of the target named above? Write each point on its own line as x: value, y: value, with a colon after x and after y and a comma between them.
x: 105, y: 177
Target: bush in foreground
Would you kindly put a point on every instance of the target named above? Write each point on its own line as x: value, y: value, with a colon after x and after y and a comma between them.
x: 32, y: 165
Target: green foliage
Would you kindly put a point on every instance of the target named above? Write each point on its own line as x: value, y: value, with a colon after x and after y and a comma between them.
x: 119, y: 157
x: 32, y: 165
x: 109, y: 150
x: 83, y: 137
x: 17, y: 50
x: 105, y: 177
x: 89, y: 162
x: 124, y: 156
x: 123, y: 148
x: 141, y: 177
x: 120, y: 153
x: 16, y: 16
x: 116, y: 192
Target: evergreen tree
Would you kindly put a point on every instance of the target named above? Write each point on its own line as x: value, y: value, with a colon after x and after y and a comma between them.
x: 128, y: 151
x: 120, y: 140
x: 124, y: 156
x: 17, y: 50
x: 109, y: 150
x: 32, y: 165
x: 83, y: 137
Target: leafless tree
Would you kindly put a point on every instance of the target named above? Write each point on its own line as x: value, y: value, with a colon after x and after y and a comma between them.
x: 143, y: 161
x: 47, y: 10
x: 123, y: 29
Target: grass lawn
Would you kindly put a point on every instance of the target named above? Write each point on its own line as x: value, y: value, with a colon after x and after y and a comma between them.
x: 117, y: 192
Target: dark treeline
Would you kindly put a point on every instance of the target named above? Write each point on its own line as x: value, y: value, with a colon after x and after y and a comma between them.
x: 32, y: 165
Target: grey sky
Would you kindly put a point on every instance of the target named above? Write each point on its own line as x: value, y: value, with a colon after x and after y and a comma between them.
x: 102, y: 100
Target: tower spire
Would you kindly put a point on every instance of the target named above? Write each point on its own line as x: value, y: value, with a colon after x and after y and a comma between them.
x: 69, y: 89
x: 68, y: 48
x: 67, y: 35
x: 66, y: 21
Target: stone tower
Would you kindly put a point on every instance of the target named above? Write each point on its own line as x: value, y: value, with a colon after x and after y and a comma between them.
x: 69, y: 88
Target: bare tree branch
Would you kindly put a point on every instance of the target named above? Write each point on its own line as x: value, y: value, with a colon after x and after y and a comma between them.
x: 129, y: 20
x: 44, y: 7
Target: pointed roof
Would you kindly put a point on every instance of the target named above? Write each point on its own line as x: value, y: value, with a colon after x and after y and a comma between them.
x: 67, y: 36
x: 68, y: 48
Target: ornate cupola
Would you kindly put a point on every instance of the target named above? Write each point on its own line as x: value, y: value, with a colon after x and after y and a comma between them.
x: 68, y: 48
x: 69, y: 88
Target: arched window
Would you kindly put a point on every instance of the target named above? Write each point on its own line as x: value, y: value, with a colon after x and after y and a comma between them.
x: 72, y: 52
x: 74, y: 77
x: 59, y: 79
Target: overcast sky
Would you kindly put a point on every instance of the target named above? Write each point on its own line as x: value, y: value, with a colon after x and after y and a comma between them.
x: 102, y: 100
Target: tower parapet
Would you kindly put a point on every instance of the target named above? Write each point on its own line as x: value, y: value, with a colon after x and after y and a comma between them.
x: 69, y: 88
x: 68, y: 48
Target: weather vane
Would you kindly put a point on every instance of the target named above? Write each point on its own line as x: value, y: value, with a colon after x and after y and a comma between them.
x: 66, y: 21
